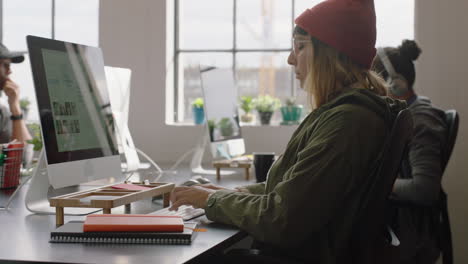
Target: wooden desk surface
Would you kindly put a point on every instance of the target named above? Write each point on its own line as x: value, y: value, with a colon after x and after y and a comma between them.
x: 24, y: 236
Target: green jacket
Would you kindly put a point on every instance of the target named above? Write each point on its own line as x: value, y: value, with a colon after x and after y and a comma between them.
x: 307, y: 207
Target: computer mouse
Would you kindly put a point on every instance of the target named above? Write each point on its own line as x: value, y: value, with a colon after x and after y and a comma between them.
x: 190, y: 182
x: 201, y: 179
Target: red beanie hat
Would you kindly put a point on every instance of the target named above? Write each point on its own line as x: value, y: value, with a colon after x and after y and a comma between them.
x: 346, y: 25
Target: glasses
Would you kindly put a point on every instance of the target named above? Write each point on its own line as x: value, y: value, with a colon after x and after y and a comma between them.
x: 298, y: 44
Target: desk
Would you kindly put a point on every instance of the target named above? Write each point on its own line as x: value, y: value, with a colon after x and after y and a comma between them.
x: 24, y: 236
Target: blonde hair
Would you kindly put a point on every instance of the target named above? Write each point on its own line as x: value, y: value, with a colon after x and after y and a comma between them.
x: 330, y: 72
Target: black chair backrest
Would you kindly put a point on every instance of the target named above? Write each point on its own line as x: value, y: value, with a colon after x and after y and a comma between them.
x: 368, y: 233
x: 442, y: 217
x: 451, y: 119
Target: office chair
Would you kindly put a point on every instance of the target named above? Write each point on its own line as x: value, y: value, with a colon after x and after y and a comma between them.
x: 443, y: 221
x: 370, y: 233
x: 371, y: 240
x: 439, y: 210
x: 452, y: 120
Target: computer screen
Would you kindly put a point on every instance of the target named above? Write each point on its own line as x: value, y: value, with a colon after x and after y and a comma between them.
x: 75, y: 112
x: 221, y: 111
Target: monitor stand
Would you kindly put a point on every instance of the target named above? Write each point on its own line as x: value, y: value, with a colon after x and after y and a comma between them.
x: 196, y: 162
x: 37, y: 196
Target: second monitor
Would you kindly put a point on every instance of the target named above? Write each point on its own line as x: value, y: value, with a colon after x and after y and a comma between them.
x: 221, y: 111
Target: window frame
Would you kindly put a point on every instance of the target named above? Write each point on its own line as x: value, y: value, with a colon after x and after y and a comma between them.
x: 52, y: 26
x: 52, y: 21
x: 234, y: 51
x: 1, y: 21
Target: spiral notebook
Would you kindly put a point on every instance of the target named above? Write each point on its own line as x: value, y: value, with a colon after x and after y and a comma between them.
x: 72, y: 232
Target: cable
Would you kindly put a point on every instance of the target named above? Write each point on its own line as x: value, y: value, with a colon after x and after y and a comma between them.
x: 7, y: 204
x: 172, y: 169
x: 129, y: 176
x: 178, y: 161
x: 160, y: 171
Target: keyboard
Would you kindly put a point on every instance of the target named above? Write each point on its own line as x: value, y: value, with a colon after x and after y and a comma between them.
x: 187, y: 212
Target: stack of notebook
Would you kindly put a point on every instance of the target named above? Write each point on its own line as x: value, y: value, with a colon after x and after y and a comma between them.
x: 126, y: 229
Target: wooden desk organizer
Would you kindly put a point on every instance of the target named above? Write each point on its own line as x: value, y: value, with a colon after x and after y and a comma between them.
x: 246, y: 164
x: 122, y: 197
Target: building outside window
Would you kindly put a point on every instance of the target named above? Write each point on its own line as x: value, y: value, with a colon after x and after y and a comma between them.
x: 74, y: 21
x: 253, y: 37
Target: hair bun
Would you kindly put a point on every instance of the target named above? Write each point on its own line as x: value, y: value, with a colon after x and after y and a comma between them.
x: 409, y: 49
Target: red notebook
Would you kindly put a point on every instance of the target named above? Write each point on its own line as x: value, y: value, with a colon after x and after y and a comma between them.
x: 133, y: 223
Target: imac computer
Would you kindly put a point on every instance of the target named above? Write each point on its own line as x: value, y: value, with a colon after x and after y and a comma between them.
x: 80, y: 145
x: 221, y: 112
x: 118, y: 83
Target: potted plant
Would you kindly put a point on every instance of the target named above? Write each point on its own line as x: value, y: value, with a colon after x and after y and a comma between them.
x: 198, y: 112
x: 247, y: 105
x: 266, y: 105
x: 24, y: 105
x: 211, y: 128
x: 291, y: 112
x: 226, y: 127
x: 34, y: 144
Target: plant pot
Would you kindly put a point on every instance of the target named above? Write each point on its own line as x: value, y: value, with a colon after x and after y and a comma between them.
x: 198, y: 115
x: 265, y: 117
x: 247, y: 118
x: 291, y: 114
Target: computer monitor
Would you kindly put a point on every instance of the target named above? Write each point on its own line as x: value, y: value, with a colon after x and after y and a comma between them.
x: 221, y: 112
x: 118, y: 83
x: 75, y: 113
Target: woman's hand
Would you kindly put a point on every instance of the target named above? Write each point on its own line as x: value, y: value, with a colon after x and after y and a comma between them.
x: 195, y: 196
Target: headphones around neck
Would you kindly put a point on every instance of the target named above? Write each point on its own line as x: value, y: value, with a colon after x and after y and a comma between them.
x: 397, y: 84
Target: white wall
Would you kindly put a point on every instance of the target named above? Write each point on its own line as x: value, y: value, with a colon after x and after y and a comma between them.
x: 442, y: 75
x: 133, y: 35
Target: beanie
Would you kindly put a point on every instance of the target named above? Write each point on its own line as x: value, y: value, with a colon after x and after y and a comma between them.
x: 346, y: 25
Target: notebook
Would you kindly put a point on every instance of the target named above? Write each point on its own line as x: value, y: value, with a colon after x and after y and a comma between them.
x: 133, y: 223
x: 72, y: 232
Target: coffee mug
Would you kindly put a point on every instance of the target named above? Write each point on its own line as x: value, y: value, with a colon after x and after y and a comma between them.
x: 262, y: 162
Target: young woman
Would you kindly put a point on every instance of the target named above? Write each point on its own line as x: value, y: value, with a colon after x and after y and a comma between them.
x: 420, y: 180
x: 307, y: 207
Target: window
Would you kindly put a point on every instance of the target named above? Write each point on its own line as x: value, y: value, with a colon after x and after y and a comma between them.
x: 75, y: 21
x: 253, y: 37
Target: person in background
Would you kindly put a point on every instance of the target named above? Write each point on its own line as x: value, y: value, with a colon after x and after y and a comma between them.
x: 308, y: 206
x: 419, y: 182
x: 12, y: 125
